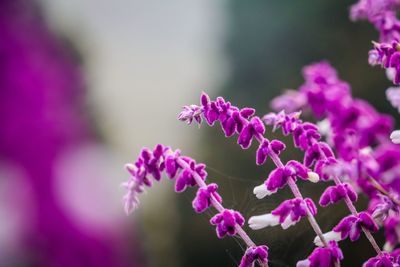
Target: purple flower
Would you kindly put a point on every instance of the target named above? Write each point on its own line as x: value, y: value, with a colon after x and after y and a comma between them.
x: 392, y: 232
x: 323, y: 257
x: 393, y: 95
x: 328, y: 167
x: 226, y: 222
x: 351, y: 227
x: 254, y: 128
x: 320, y: 73
x: 202, y: 200
x: 253, y: 254
x: 317, y: 151
x: 381, y: 13
x: 152, y: 164
x: 323, y: 88
x: 288, y: 213
x: 305, y: 135
x: 334, y: 194
x: 288, y: 122
x: 278, y: 178
x: 266, y: 147
x: 368, y: 9
x: 388, y: 56
x: 289, y: 101
x: 171, y: 164
x: 134, y: 187
x: 190, y: 113
x: 382, y: 260
x: 186, y: 178
x: 148, y: 163
x: 380, y: 206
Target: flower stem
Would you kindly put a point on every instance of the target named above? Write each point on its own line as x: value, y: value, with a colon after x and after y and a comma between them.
x: 382, y: 190
x: 218, y: 206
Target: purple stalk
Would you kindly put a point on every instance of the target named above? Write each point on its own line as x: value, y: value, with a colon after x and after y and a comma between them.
x: 294, y: 125
x: 218, y: 206
x: 296, y: 192
x: 227, y: 111
x: 353, y: 211
x: 188, y: 173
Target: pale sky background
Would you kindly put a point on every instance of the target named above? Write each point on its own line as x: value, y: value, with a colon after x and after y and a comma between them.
x: 144, y: 60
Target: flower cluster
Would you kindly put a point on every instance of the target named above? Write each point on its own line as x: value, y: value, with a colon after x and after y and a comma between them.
x: 226, y: 222
x: 323, y: 257
x: 350, y: 227
x: 381, y: 14
x: 354, y: 128
x: 249, y: 127
x: 188, y: 173
x: 349, y: 147
x: 253, y: 254
x: 286, y: 214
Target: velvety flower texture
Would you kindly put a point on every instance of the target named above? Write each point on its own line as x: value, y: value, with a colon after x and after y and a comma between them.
x: 248, y: 127
x: 383, y: 260
x: 381, y: 14
x: 202, y: 200
x: 266, y: 147
x: 388, y: 56
x: 253, y: 254
x: 334, y: 194
x: 354, y: 124
x: 288, y: 213
x: 226, y: 222
x: 392, y: 232
x: 350, y: 226
x: 152, y: 163
x: 278, y: 178
x: 305, y: 137
x: 323, y: 257
x: 393, y: 95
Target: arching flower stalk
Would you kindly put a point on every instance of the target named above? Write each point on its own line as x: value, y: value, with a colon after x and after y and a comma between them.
x: 249, y: 127
x: 187, y: 173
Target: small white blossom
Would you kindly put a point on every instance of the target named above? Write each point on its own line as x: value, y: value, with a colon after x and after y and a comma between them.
x: 261, y: 191
x: 395, y: 136
x: 313, y: 177
x: 329, y: 236
x: 262, y: 221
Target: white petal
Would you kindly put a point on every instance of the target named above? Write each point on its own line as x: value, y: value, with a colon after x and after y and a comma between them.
x: 287, y: 223
x: 324, y: 127
x: 313, y: 177
x: 366, y: 150
x: 332, y: 235
x: 262, y: 221
x: 261, y: 191
x: 390, y: 73
x: 388, y: 247
x: 130, y: 168
x: 303, y: 263
x: 395, y: 136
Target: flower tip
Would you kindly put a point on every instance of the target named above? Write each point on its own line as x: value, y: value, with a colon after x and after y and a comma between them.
x: 262, y: 221
x: 313, y: 177
x: 130, y: 168
x: 318, y: 242
x: 395, y: 137
x: 329, y: 236
x: 261, y: 191
x: 388, y: 247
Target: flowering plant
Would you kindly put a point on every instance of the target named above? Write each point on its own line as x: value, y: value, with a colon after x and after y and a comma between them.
x: 352, y: 149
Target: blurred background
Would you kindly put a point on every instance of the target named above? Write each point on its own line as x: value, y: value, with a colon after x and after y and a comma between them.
x: 85, y: 84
